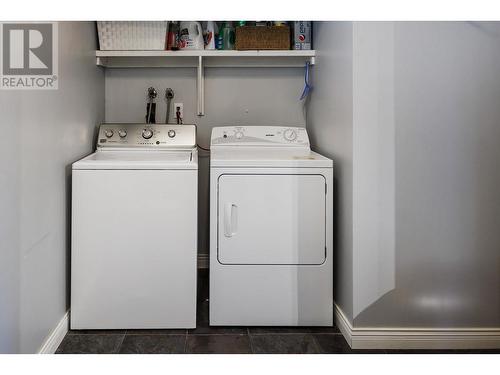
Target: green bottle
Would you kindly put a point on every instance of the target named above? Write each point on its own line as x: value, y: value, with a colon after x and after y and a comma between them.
x: 227, y: 33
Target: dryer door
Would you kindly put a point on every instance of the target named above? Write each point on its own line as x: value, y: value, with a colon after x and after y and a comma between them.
x: 271, y: 219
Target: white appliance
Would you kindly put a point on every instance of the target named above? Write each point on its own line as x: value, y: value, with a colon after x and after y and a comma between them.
x: 271, y: 229
x: 134, y: 229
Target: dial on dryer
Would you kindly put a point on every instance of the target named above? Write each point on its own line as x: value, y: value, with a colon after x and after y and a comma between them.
x: 290, y: 135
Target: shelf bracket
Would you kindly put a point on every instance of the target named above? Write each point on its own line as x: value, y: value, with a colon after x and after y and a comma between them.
x: 200, y: 85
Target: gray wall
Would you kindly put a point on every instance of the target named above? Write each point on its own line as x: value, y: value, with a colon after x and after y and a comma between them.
x: 374, y: 164
x: 329, y: 124
x: 425, y: 127
x: 447, y: 147
x: 48, y: 130
x: 233, y: 96
x: 9, y: 228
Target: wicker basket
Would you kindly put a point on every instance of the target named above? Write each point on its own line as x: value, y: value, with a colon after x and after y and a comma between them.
x: 262, y: 37
x: 128, y: 35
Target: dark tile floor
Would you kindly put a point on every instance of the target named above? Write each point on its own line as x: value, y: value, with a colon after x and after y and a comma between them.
x: 220, y: 340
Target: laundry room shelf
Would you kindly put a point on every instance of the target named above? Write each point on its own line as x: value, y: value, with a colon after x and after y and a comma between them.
x: 205, y: 59
x: 210, y: 59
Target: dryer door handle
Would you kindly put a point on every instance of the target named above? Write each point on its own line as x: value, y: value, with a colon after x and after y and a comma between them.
x: 230, y: 219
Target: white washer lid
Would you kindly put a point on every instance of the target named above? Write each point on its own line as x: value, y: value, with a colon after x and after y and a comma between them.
x: 267, y: 157
x: 139, y: 160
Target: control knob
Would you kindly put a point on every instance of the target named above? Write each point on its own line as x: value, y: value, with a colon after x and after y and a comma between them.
x: 290, y: 135
x: 122, y: 133
x: 171, y: 133
x: 147, y: 133
x: 109, y: 133
x: 238, y: 135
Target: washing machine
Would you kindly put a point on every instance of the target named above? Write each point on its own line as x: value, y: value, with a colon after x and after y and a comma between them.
x: 271, y: 226
x: 134, y: 229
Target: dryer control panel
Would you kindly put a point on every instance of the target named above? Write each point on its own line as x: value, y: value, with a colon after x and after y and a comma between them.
x: 146, y: 136
x: 259, y: 136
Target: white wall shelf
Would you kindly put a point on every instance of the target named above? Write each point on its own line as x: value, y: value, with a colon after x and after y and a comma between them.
x: 205, y: 59
x: 213, y: 58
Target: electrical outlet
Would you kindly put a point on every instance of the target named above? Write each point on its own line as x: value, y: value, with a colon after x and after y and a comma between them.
x: 179, y: 107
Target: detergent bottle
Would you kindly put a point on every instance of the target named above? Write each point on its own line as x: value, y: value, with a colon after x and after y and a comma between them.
x: 191, y: 35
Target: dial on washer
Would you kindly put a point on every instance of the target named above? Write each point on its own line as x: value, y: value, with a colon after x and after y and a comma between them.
x: 147, y: 133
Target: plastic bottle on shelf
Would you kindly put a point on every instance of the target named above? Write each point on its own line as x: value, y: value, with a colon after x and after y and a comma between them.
x: 227, y: 36
x: 219, y: 38
x: 173, y: 36
x: 209, y: 35
x: 191, y: 35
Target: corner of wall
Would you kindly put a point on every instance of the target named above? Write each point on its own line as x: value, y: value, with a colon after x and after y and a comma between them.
x: 330, y: 126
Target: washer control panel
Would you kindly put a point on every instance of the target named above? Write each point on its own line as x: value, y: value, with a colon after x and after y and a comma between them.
x: 259, y: 136
x: 146, y: 136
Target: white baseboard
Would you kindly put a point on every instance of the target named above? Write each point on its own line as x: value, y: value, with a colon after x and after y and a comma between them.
x: 416, y: 338
x: 55, y: 338
x: 343, y: 324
